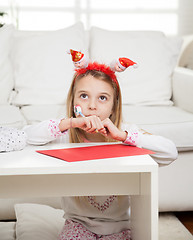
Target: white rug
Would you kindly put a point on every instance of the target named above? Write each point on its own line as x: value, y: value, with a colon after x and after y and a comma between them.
x: 170, y: 228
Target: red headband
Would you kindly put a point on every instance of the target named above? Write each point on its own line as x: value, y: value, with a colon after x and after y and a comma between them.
x: 101, y: 68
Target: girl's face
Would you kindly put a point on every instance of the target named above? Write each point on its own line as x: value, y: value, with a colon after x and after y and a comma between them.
x: 95, y: 96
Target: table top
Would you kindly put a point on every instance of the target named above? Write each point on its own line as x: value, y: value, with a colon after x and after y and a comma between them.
x: 28, y: 161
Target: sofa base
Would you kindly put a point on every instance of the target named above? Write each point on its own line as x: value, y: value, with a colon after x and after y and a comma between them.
x: 175, y: 184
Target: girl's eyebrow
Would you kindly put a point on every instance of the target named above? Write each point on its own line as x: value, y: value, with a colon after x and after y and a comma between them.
x: 105, y: 93
x: 101, y: 93
x: 82, y: 91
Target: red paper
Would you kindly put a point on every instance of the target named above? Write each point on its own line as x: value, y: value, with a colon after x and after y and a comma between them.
x: 95, y: 152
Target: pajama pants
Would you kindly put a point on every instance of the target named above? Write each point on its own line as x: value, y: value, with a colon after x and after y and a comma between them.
x: 76, y: 231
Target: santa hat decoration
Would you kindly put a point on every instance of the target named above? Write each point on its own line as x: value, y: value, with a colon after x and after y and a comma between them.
x: 76, y: 56
x: 82, y: 65
x: 124, y: 63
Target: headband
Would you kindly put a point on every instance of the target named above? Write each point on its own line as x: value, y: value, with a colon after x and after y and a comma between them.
x: 94, y: 66
x: 83, y: 65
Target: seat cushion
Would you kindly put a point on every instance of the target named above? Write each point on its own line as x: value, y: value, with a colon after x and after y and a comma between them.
x: 170, y: 122
x: 37, y: 113
x: 7, y: 230
x: 11, y: 116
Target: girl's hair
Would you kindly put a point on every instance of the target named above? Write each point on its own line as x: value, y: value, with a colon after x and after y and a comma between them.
x: 76, y: 134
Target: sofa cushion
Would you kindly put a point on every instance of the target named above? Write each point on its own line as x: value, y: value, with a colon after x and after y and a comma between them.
x: 43, y: 70
x: 35, y: 222
x: 11, y: 116
x: 155, y: 54
x: 186, y: 56
x: 190, y: 56
x: 37, y: 113
x: 6, y: 76
x: 7, y: 230
x: 7, y: 211
x: 171, y: 122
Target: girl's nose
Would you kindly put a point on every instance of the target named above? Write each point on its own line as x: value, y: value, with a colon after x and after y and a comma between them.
x: 92, y: 104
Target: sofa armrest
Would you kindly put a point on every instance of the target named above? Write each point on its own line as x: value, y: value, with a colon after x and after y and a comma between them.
x: 182, y: 85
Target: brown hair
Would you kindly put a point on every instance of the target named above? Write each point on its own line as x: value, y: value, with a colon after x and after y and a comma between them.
x: 76, y: 134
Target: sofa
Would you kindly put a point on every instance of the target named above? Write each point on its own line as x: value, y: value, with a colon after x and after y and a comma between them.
x: 36, y: 72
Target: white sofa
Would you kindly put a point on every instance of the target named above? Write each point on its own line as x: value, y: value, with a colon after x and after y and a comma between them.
x: 35, y: 74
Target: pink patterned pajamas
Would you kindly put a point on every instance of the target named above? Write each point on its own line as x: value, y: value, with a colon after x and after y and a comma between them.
x: 76, y: 231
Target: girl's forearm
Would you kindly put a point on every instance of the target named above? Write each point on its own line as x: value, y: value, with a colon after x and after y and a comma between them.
x: 43, y: 132
x: 122, y: 136
x: 65, y: 124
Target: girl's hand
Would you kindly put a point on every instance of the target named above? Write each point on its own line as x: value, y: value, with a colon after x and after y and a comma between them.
x: 91, y: 124
x: 113, y: 132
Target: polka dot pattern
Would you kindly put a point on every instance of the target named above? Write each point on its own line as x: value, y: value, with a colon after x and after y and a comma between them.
x: 132, y: 138
x: 76, y: 231
x: 54, y: 130
x: 105, y: 205
x: 12, y: 139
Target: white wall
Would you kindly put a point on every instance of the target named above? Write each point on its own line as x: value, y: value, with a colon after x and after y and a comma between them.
x: 185, y: 24
x: 173, y: 17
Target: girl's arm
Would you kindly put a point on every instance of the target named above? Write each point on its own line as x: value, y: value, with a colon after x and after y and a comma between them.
x: 50, y: 130
x: 46, y: 131
x: 165, y: 150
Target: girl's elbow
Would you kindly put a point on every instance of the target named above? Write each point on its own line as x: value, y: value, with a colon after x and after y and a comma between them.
x: 172, y: 153
x: 167, y: 156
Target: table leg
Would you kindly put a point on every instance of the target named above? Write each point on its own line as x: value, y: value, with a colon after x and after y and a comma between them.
x: 144, y: 209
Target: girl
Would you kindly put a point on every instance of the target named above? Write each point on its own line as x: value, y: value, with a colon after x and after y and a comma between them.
x: 96, y: 90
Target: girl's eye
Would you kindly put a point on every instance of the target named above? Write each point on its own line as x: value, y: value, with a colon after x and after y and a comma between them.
x: 84, y: 96
x: 103, y: 98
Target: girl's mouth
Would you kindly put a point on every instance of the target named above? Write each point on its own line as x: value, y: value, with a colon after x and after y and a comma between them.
x: 89, y: 115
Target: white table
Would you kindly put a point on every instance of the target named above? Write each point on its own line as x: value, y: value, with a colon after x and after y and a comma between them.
x: 30, y: 174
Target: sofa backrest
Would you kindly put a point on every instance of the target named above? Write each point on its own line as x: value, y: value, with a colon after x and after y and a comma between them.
x: 155, y: 54
x: 42, y: 70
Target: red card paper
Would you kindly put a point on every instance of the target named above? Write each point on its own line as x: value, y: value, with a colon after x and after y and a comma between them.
x: 95, y: 152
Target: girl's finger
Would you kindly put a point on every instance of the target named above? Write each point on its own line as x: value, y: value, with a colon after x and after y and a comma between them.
x: 99, y: 126
x: 103, y: 131
x: 93, y: 123
x: 90, y: 125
